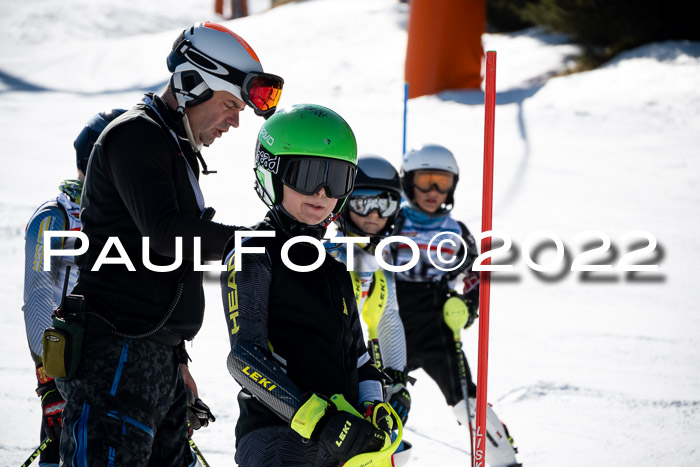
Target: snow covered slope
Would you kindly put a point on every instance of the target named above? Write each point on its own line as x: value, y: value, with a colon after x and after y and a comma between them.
x: 599, y: 369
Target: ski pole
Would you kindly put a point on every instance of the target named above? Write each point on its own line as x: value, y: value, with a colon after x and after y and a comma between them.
x: 485, y: 279
x: 198, y: 453
x: 37, y: 452
x: 456, y: 318
x: 405, y: 111
x: 372, y: 313
x: 373, y: 341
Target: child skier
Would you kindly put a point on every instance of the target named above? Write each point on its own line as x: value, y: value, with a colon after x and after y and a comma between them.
x: 296, y: 341
x: 371, y: 210
x: 429, y: 175
x: 42, y: 289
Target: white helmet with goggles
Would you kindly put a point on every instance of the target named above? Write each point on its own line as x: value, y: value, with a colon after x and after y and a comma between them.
x: 427, y: 167
x: 209, y: 57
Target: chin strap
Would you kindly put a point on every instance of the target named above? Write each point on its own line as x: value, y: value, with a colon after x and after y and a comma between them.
x: 196, y: 148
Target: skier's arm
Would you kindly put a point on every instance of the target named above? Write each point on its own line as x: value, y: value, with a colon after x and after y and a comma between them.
x: 469, y: 278
x: 250, y: 363
x: 39, y: 302
x: 466, y: 279
x: 141, y: 162
x: 263, y: 377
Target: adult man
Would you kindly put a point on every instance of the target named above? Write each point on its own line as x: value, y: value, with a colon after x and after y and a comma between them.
x: 127, y: 403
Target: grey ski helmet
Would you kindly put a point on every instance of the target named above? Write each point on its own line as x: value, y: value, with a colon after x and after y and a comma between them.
x: 428, y: 157
x: 208, y: 57
x: 88, y: 135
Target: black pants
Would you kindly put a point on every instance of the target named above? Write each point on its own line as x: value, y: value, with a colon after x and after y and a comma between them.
x: 126, y: 407
x: 429, y: 341
x: 278, y: 446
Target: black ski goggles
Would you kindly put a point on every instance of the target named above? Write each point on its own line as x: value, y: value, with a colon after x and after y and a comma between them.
x: 307, y: 175
x: 261, y: 91
x: 363, y: 202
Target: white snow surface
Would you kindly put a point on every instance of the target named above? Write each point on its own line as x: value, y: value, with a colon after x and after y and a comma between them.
x: 585, y: 370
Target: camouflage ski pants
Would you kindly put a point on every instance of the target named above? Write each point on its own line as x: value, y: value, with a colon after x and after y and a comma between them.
x: 126, y: 407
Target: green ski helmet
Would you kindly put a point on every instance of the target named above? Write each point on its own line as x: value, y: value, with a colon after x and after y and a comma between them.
x: 306, y: 147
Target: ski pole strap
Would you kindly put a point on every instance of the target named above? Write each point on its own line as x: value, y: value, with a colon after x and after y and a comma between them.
x: 400, y: 377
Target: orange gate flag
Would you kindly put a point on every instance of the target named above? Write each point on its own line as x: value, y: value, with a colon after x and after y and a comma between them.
x: 444, y: 45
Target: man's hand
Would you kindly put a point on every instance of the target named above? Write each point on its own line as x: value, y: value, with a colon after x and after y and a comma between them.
x: 198, y: 413
x: 52, y: 405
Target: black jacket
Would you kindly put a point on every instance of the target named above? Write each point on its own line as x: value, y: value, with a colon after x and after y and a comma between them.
x: 138, y: 186
x: 307, y: 320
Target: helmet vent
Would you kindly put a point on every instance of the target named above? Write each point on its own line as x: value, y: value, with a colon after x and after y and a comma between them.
x: 202, y: 61
x: 188, y: 81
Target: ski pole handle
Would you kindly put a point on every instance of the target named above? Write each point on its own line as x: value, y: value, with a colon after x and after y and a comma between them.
x: 456, y: 314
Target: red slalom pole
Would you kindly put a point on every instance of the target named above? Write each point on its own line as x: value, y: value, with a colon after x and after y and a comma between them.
x: 485, y: 276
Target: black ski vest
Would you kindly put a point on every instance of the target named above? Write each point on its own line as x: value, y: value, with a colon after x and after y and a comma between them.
x: 311, y: 324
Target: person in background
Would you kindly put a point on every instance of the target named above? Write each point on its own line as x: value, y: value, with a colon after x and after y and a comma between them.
x: 43, y: 289
x: 371, y: 211
x: 127, y: 404
x: 429, y: 175
x: 296, y: 341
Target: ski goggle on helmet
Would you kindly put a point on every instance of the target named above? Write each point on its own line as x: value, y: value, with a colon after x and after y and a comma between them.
x: 308, y: 175
x: 363, y: 202
x: 426, y: 180
x: 223, y: 61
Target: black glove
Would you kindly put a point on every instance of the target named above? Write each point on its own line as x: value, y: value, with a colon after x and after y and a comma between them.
x: 198, y: 413
x: 52, y: 405
x: 400, y: 401
x: 342, y: 434
x: 397, y: 394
